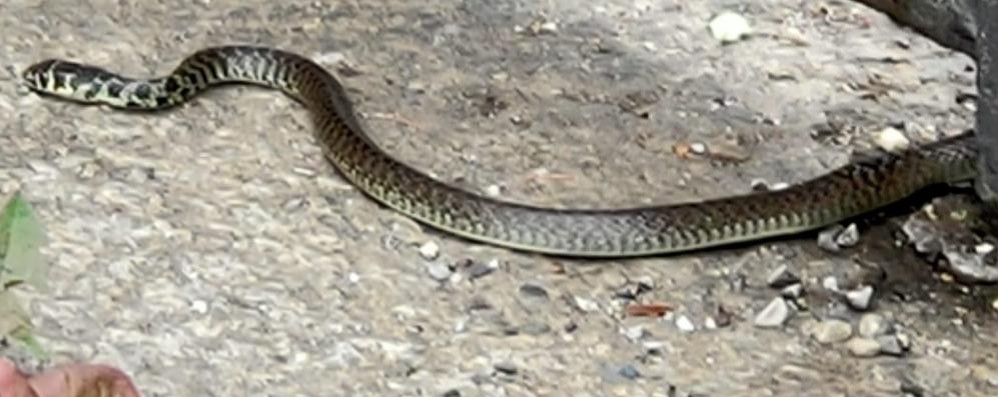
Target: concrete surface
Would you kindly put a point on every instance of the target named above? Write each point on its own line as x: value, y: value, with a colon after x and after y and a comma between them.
x: 211, y: 251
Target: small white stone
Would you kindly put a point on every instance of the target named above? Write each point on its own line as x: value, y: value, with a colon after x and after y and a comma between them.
x: 199, y: 306
x: 548, y: 27
x: 439, y: 271
x: 729, y: 27
x: 848, y: 237
x: 429, y: 250
x: 779, y: 186
x: 710, y: 323
x: 684, y: 324
x: 860, y: 298
x: 773, y: 315
x: 353, y: 278
x: 635, y: 333
x: 586, y: 305
x: 892, y: 140
x: 984, y: 248
x: 698, y: 148
x: 830, y: 283
x: 493, y: 190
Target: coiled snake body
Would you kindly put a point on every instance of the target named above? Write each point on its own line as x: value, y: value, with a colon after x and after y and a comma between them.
x: 848, y: 191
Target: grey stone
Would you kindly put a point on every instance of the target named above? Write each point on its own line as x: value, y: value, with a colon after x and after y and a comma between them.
x: 534, y: 328
x: 827, y: 237
x: 832, y: 331
x: 773, y: 315
x: 969, y: 266
x: 506, y: 368
x: 863, y: 347
x: 782, y: 277
x: 848, y: 237
x: 479, y: 269
x: 871, y: 325
x: 860, y: 298
x: 792, y: 291
x: 628, y: 371
x: 533, y: 291
x: 439, y: 271
x: 892, y: 345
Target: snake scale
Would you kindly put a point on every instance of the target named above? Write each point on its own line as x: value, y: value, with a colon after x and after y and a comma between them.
x: 850, y: 190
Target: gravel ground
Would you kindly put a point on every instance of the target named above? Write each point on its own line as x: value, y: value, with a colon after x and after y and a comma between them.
x: 211, y: 251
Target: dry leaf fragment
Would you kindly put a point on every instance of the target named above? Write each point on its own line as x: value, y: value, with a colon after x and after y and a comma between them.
x: 648, y: 310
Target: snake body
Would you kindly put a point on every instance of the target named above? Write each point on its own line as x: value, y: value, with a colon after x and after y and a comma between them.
x: 850, y: 190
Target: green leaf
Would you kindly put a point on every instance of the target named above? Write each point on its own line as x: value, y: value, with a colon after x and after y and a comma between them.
x: 21, y: 236
x: 15, y: 324
x: 12, y: 315
x: 27, y: 340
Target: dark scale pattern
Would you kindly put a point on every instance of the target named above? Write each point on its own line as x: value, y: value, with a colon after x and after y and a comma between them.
x: 845, y: 192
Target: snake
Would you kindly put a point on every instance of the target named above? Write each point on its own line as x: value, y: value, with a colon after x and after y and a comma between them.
x: 861, y: 185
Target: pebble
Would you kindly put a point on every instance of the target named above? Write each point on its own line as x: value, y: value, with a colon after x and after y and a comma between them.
x: 797, y: 374
x: 635, y: 333
x: 792, y: 291
x: 969, y: 266
x: 506, y: 368
x: 779, y: 186
x: 832, y: 331
x: 728, y: 27
x: 759, y: 185
x: 429, y: 250
x: 892, y: 140
x: 782, y: 277
x: 698, y: 148
x: 827, y: 238
x: 984, y: 248
x: 493, y: 190
x: 586, y: 305
x: 860, y: 298
x: 848, y: 237
x: 921, y: 233
x: 894, y: 345
x: 684, y: 324
x: 534, y: 328
x: 439, y: 271
x: 533, y: 290
x: 830, y: 283
x: 646, y: 282
x: 863, y: 347
x: 629, y: 372
x: 199, y: 306
x: 773, y: 315
x: 984, y: 374
x: 871, y: 325
x: 479, y: 269
x: 710, y: 323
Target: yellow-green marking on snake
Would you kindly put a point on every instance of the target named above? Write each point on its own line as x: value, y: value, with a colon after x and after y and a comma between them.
x: 845, y: 192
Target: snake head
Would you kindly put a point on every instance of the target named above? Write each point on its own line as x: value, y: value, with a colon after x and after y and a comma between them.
x: 39, y: 75
x: 66, y: 80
